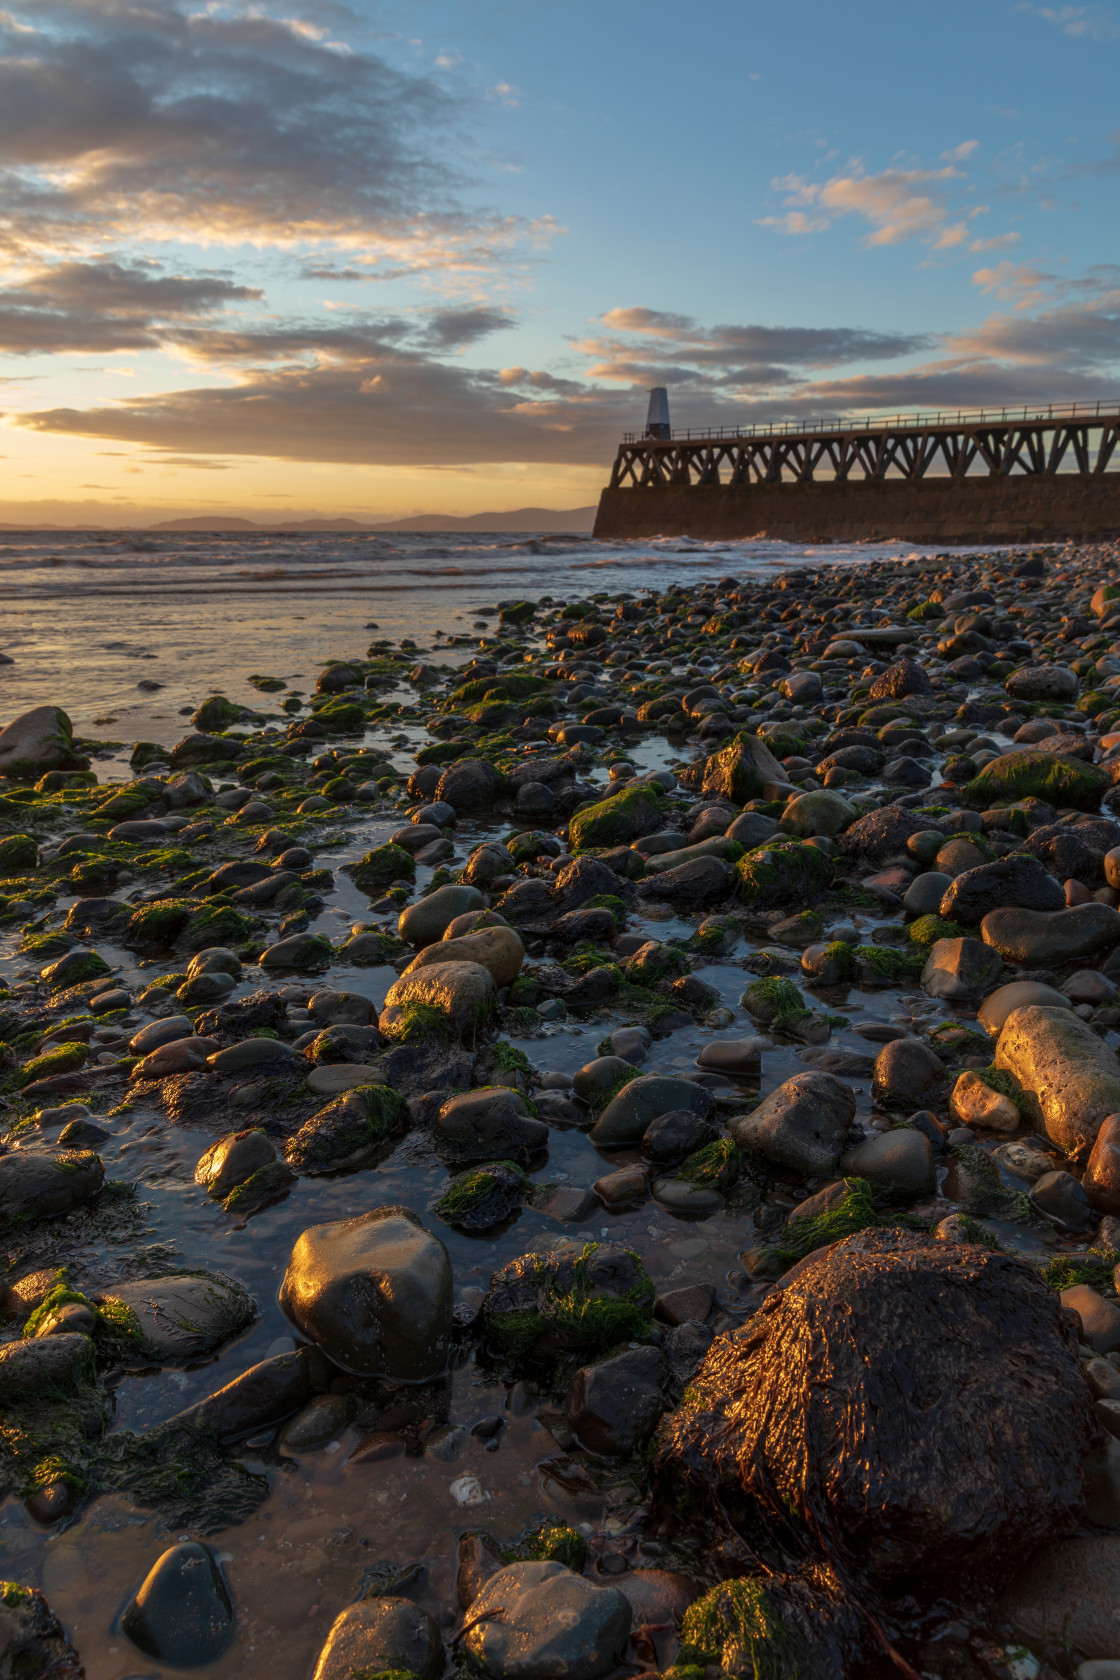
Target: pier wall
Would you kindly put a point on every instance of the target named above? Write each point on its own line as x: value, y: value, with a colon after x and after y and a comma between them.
x: 1024, y: 507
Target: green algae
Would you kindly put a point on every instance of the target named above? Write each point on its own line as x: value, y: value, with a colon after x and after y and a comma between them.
x: 419, y: 1023
x: 555, y: 1542
x: 18, y: 851
x: 855, y: 1212
x: 739, y: 1626
x: 382, y: 866
x: 1095, y: 1268
x: 66, y: 1059
x: 889, y: 963
x: 215, y: 925
x: 1037, y: 775
x: 615, y: 821
x: 782, y: 871
x: 574, y: 1316
x: 774, y: 1001
x: 714, y: 1167
x: 483, y: 1196
x: 927, y: 930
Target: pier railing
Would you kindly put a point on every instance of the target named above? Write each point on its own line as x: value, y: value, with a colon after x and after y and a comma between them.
x: 991, y: 442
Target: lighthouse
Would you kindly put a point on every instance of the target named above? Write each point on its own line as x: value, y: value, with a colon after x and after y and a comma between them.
x: 657, y: 420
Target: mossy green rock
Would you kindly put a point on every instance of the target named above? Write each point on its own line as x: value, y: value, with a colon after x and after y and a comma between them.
x: 215, y: 925
x: 1037, y: 775
x: 616, y: 821
x: 783, y: 871
x: 743, y: 770
x: 347, y: 1132
x: 42, y: 1184
x: 484, y: 1196
x: 573, y: 1298
x: 216, y: 713
x: 157, y: 926
x: 74, y: 969
x: 185, y: 1315
x: 67, y: 1058
x: 18, y: 852
x: 381, y: 867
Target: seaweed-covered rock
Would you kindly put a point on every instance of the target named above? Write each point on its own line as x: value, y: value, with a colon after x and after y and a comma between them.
x: 485, y: 1196
x: 17, y: 853
x: 381, y: 867
x: 783, y: 871
x: 180, y: 1316
x: 783, y: 1627
x: 33, y: 1642
x: 1037, y: 775
x: 940, y: 1458
x: 232, y: 1160
x: 44, y: 1183
x: 374, y: 1293
x: 616, y: 821
x: 573, y: 1298
x: 469, y: 784
x: 453, y: 997
x: 347, y: 1132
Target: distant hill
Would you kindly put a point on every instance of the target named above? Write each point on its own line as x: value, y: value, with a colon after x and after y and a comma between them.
x: 579, y: 520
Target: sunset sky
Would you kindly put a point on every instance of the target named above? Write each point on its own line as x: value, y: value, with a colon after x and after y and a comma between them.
x: 371, y: 259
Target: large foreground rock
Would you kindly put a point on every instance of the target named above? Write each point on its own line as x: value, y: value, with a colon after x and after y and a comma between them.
x: 1072, y: 1075
x: 33, y: 1642
x: 945, y: 1456
x: 553, y: 1625
x: 374, y: 1293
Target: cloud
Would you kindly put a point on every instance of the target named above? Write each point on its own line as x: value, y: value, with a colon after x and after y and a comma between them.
x: 959, y: 153
x: 453, y: 329
x: 896, y: 204
x: 225, y: 124
x: 107, y: 305
x: 1095, y: 23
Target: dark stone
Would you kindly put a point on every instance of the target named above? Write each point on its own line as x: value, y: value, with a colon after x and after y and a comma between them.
x: 614, y: 1406
x: 906, y: 1070
x: 1020, y: 881
x: 1065, y: 852
x: 1060, y: 1198
x: 902, y: 677
x: 672, y: 1136
x: 182, y: 1613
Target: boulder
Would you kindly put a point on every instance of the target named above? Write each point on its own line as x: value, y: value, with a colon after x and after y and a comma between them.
x: 1020, y: 881
x: 746, y: 769
x: 577, y: 1296
x: 181, y: 1316
x: 36, y: 741
x: 960, y: 969
x: 1045, y: 939
x: 945, y: 1460
x: 692, y: 882
x: 802, y: 1125
x: 182, y: 1614
x: 488, y: 1124
x: 1001, y: 1003
x: 427, y: 920
x: 901, y: 678
x: 374, y: 1293
x: 553, y: 1625
x: 45, y: 1367
x: 1066, y: 1595
x: 625, y: 1118
x: 469, y: 784
x: 462, y: 992
x: 497, y: 949
x: 382, y: 1636
x: 1070, y: 1075
x: 349, y: 1131
x: 623, y: 817
x: 44, y: 1183
x: 820, y: 811
x: 897, y: 1163
x: 614, y: 1406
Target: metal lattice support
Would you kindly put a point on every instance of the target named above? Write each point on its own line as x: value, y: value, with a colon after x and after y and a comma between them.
x: 1081, y: 438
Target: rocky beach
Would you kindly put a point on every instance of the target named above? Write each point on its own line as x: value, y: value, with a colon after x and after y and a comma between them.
x: 580, y: 1143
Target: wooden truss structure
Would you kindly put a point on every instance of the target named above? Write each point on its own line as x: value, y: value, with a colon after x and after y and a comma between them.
x: 1083, y: 439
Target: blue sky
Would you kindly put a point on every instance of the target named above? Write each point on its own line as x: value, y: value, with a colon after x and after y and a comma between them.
x: 373, y: 258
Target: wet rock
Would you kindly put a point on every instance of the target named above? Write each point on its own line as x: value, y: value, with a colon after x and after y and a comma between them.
x: 382, y: 1636
x: 1069, y: 1589
x: 616, y: 821
x: 737, y: 1057
x: 488, y: 1124
x: 673, y: 1136
x: 746, y: 769
x: 428, y: 920
x: 479, y: 1557
x: 960, y: 969
x: 554, y: 1625
x: 800, y: 1126
x: 462, y: 993
x: 876, y: 836
x: 300, y: 953
x: 898, y: 1162
x: 469, y: 784
x: 45, y: 1367
x: 614, y: 1406
x: 499, y: 950
x: 1019, y: 882
x: 752, y: 828
x: 252, y: 1053
x: 802, y: 1625
x: 901, y: 678
x: 485, y: 1196
x: 327, y: 1009
x: 1060, y: 1198
x: 37, y: 741
x: 374, y: 1293
x: 33, y: 1642
x: 973, y: 1103
x: 1069, y: 1072
x: 576, y: 1296
x: 349, y: 1131
x: 180, y: 1316
x: 821, y: 811
x: 264, y: 1394
x: 626, y: 1116
x: 1037, y: 775
x: 1042, y: 682
x: 1102, y: 1172
x: 1044, y: 940
x: 907, y: 1072
x: 959, y: 1490
x: 182, y: 1613
x: 1001, y: 1003
x: 42, y: 1183
x: 321, y: 1418
x: 232, y: 1160
x: 924, y: 895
